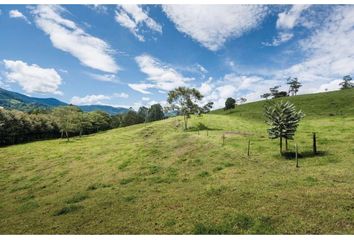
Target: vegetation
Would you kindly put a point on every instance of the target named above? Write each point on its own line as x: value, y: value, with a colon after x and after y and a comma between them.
x: 64, y: 121
x: 283, y: 120
x: 230, y: 103
x: 294, y: 85
x: 347, y: 82
x: 185, y: 102
x: 155, y: 178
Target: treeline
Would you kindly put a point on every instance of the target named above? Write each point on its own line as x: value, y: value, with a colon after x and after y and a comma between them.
x: 67, y: 121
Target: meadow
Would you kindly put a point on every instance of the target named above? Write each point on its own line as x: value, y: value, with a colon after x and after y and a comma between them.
x: 156, y: 178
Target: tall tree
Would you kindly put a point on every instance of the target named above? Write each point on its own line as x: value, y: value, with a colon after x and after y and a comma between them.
x: 283, y: 120
x: 66, y: 118
x: 347, y: 82
x: 143, y: 113
x: 294, y: 85
x: 155, y: 113
x: 185, y: 101
x: 230, y: 103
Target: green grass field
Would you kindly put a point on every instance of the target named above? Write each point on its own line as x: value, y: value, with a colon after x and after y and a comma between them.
x: 156, y: 178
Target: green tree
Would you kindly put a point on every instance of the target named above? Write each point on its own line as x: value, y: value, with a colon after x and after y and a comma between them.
x: 155, y: 113
x: 294, y: 85
x: 100, y: 120
x: 66, y: 118
x: 230, y: 103
x: 347, y: 82
x: 143, y: 113
x: 283, y: 120
x: 185, y: 101
x: 131, y: 118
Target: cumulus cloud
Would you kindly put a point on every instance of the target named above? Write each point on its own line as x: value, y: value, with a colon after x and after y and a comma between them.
x: 134, y: 18
x: 159, y: 75
x: 286, y: 21
x: 235, y: 86
x: 329, y: 52
x: 67, y: 36
x: 17, y: 14
x: 289, y: 19
x: 89, y: 99
x: 213, y: 25
x: 32, y: 78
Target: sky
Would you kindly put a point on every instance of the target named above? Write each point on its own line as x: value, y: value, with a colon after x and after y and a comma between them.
x: 132, y: 55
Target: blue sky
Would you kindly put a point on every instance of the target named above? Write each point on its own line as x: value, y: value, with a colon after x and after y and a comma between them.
x: 132, y: 55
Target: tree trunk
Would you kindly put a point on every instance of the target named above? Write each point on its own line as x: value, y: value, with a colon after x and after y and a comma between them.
x: 281, y: 145
x: 286, y: 144
x: 67, y: 135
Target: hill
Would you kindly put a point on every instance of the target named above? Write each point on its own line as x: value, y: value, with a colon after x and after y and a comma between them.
x: 13, y: 100
x: 156, y: 178
x: 335, y: 103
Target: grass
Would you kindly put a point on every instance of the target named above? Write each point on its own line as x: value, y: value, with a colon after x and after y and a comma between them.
x: 157, y: 179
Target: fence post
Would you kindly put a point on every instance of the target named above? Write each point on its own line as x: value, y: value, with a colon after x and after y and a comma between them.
x: 314, y: 146
x: 223, y: 139
x: 296, y: 156
x: 248, y: 147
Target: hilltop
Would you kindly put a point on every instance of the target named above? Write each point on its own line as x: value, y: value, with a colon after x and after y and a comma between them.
x: 156, y: 178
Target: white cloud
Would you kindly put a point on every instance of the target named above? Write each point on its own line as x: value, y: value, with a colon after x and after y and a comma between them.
x: 289, y: 19
x: 121, y: 95
x: 32, y: 78
x: 281, y: 38
x: 67, y: 36
x: 329, y: 52
x: 89, y: 99
x: 17, y: 14
x: 145, y: 99
x: 160, y: 75
x: 213, y: 25
x: 133, y: 17
x: 103, y: 77
x: 235, y: 86
x: 99, y: 8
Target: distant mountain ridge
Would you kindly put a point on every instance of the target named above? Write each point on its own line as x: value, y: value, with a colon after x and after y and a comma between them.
x: 14, y: 100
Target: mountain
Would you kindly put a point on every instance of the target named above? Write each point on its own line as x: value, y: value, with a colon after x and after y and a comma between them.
x: 14, y: 100
x: 105, y: 108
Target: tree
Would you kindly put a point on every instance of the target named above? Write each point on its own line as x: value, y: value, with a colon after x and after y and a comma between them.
x: 242, y: 100
x: 143, y: 112
x: 155, y: 113
x: 185, y: 101
x: 131, y: 118
x: 230, y: 103
x: 294, y: 85
x: 283, y: 120
x: 274, y: 91
x: 346, y: 84
x: 266, y: 95
x: 66, y: 118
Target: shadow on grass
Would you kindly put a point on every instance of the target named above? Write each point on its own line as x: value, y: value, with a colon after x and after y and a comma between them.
x: 305, y: 154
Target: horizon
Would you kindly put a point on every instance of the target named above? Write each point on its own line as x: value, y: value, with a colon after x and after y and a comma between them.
x: 121, y: 55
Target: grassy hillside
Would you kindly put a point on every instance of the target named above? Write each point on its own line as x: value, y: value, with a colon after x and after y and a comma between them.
x: 336, y: 103
x: 155, y: 178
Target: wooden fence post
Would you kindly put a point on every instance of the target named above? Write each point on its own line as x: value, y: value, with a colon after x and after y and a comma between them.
x: 314, y: 145
x: 248, y: 147
x: 296, y: 156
